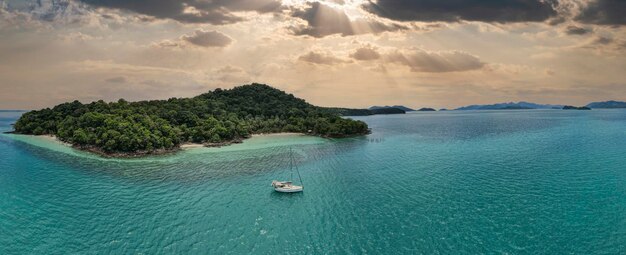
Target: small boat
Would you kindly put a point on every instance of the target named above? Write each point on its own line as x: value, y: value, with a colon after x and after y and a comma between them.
x: 288, y: 186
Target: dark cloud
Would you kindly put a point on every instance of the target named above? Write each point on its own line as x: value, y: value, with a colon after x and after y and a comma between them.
x: 606, y: 43
x: 601, y: 40
x: 208, y: 39
x: 321, y: 58
x: 502, y: 11
x: 604, y: 12
x: 365, y: 54
x: 575, y: 30
x: 435, y: 62
x: 323, y: 20
x: 119, y: 79
x: 215, y: 12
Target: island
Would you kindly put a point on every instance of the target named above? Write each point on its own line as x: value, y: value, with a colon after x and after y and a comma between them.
x: 569, y: 107
x: 216, y: 118
x: 426, y: 109
x: 364, y: 112
x: 510, y: 106
x: 515, y: 107
x: 388, y: 110
x: 349, y: 111
x: 401, y: 107
x: 607, y: 104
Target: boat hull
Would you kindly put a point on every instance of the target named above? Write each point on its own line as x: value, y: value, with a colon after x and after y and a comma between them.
x: 286, y: 187
x: 292, y: 189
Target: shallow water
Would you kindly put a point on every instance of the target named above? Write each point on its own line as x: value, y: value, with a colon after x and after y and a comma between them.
x: 537, y: 181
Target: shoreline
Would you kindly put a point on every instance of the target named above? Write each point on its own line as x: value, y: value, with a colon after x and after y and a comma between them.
x: 139, y: 154
x: 190, y: 145
x: 54, y: 139
x: 278, y: 134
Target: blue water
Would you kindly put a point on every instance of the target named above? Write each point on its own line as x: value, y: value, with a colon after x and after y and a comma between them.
x: 517, y: 182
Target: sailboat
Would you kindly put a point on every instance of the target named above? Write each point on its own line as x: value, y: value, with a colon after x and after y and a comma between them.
x: 288, y: 186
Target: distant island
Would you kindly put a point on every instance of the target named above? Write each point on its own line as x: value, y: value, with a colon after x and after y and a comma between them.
x: 364, y: 112
x: 388, y: 110
x: 426, y: 109
x: 349, y: 111
x: 522, y: 105
x: 515, y: 107
x: 569, y: 107
x: 607, y: 104
x: 13, y: 111
x: 527, y: 105
x: 219, y: 117
x: 510, y: 106
x: 401, y: 107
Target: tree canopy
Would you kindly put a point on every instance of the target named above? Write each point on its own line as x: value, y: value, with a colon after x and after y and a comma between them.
x: 214, y: 117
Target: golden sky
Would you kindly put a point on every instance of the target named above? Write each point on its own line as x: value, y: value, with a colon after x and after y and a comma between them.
x: 349, y: 53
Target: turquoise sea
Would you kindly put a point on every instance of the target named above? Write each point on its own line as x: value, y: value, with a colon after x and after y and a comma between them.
x: 503, y: 182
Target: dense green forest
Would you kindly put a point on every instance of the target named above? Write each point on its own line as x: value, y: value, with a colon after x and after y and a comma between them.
x: 387, y: 110
x: 569, y: 107
x: 219, y: 116
x: 365, y: 112
x: 349, y: 111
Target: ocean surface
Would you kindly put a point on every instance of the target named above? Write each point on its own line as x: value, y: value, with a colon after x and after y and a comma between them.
x: 512, y: 182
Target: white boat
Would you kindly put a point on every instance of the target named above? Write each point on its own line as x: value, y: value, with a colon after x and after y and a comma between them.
x: 288, y: 186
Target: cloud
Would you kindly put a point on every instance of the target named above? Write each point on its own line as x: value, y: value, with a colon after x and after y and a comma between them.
x: 321, y: 58
x: 605, y: 43
x: 365, y: 54
x: 119, y: 79
x: 169, y: 44
x: 339, y: 2
x: 604, y: 12
x: 575, y: 30
x: 418, y: 60
x: 208, y: 39
x: 230, y: 75
x: 502, y: 11
x: 323, y: 20
x: 216, y: 12
x: 40, y: 14
x: 601, y: 40
x: 435, y: 62
x: 229, y: 69
x: 53, y: 14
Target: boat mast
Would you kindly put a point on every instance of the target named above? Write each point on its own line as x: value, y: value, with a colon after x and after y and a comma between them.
x: 291, y: 163
x: 297, y: 170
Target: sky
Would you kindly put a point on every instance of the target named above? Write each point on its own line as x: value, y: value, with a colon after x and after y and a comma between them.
x: 345, y: 53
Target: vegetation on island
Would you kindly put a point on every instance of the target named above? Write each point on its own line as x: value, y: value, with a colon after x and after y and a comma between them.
x: 569, y: 107
x: 388, y: 110
x: 217, y: 117
x: 365, y: 112
x: 401, y: 107
x: 349, y: 111
x: 374, y: 110
x: 426, y: 109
